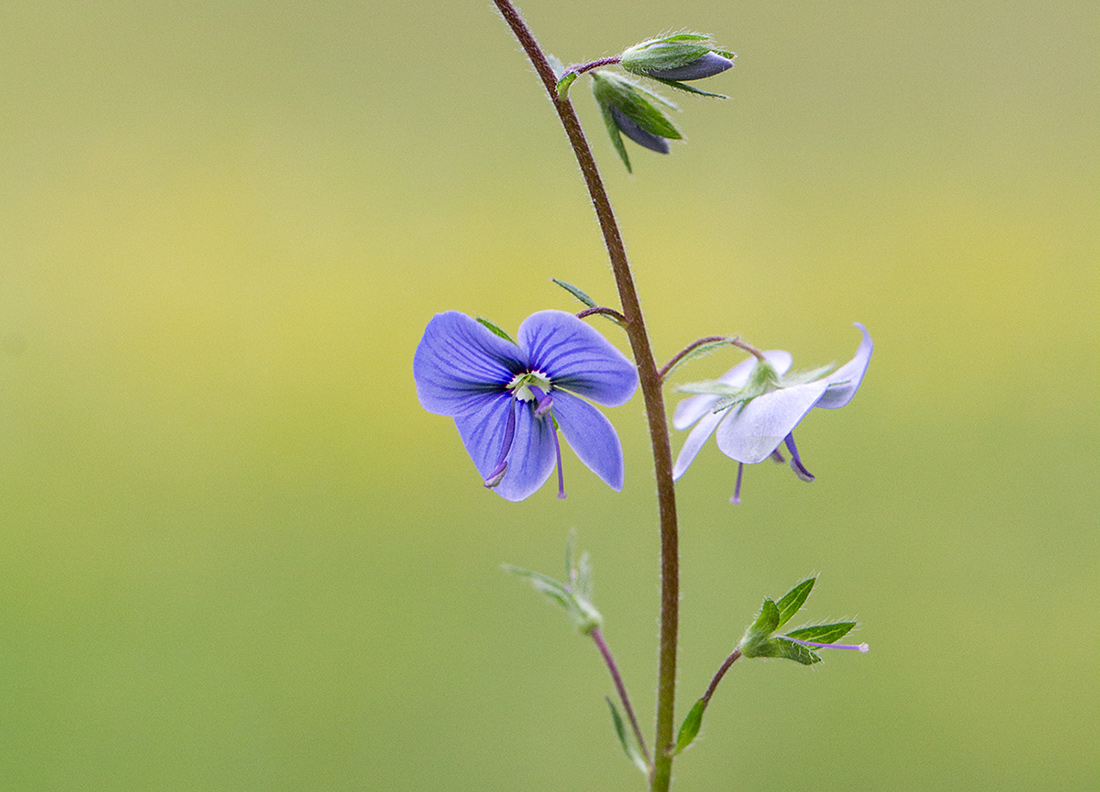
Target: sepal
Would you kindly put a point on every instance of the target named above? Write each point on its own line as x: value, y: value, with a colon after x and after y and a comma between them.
x: 801, y: 644
x: 632, y: 110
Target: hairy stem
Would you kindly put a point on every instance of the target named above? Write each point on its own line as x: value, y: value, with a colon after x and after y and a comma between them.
x: 597, y: 636
x: 650, y: 382
x: 721, y: 673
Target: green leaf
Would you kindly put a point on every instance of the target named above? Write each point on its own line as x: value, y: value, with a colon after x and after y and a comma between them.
x: 580, y: 295
x: 793, y: 600
x: 691, y: 725
x: 629, y: 748
x: 495, y: 330
x: 823, y: 633
x: 544, y: 584
x: 584, y: 577
x: 679, y: 86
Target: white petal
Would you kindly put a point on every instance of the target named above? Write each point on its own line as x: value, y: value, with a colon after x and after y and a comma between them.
x: 751, y: 434
x: 844, y: 382
x: 695, y: 440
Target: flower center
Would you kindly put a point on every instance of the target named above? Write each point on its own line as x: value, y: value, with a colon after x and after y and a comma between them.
x: 520, y: 385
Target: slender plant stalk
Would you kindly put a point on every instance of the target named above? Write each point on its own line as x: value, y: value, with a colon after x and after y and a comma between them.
x: 650, y: 382
x: 601, y: 644
x: 713, y: 686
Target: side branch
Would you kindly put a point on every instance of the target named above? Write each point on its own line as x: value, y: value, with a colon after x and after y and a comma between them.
x: 597, y: 636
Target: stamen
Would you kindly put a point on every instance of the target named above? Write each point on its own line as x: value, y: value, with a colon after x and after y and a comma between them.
x: 557, y: 451
x: 796, y: 462
x: 544, y: 401
x: 736, y: 499
x: 501, y: 468
x: 776, y: 456
x: 864, y: 648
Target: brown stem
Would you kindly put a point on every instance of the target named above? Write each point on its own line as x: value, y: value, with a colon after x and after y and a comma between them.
x: 688, y: 350
x: 618, y: 317
x: 721, y: 673
x: 650, y: 382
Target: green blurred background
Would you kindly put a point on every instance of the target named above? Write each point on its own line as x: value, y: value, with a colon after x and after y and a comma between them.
x: 235, y: 554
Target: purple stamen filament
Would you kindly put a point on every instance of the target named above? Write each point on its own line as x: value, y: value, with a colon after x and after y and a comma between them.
x: 544, y: 402
x: 557, y: 450
x: 863, y: 647
x: 737, y: 490
x: 497, y: 475
x: 796, y: 462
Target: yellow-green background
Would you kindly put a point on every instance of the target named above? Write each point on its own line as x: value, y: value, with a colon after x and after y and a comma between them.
x: 235, y: 554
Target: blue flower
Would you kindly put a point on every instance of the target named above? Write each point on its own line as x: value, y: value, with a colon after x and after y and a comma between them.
x: 753, y: 408
x: 509, y: 399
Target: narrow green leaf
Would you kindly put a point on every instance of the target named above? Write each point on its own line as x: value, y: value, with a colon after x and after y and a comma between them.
x: 580, y: 295
x: 495, y: 330
x: 793, y: 600
x: 570, y: 543
x: 823, y: 633
x: 691, y: 725
x: 679, y: 86
x: 584, y: 577
x: 625, y: 741
x: 543, y: 583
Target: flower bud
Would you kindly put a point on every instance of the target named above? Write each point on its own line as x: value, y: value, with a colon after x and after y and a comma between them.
x: 631, y: 110
x: 685, y: 56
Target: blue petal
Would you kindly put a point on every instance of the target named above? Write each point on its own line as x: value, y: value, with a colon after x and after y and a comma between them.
x: 591, y: 436
x: 692, y: 409
x: 750, y: 434
x: 576, y: 357
x: 458, y: 359
x: 844, y: 382
x: 532, y: 458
